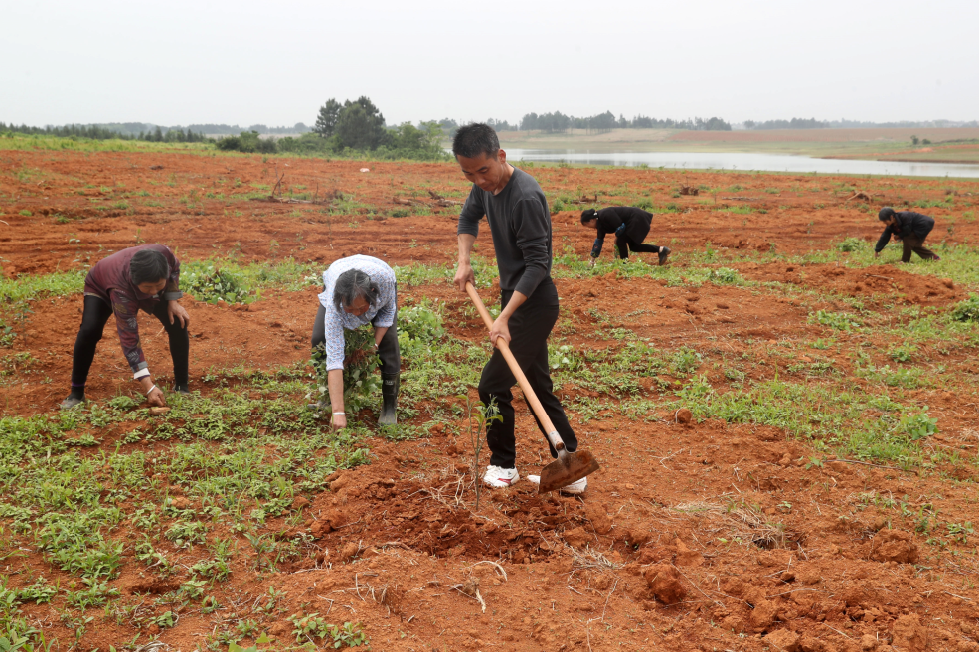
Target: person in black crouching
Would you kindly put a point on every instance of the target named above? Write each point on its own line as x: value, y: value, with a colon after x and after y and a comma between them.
x: 630, y: 226
x: 910, y: 228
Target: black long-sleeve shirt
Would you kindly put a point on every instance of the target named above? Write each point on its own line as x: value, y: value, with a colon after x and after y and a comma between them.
x: 908, y: 223
x: 521, y: 226
x: 611, y: 219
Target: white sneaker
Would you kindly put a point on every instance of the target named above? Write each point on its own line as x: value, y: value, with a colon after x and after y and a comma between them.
x: 576, y: 487
x: 499, y: 478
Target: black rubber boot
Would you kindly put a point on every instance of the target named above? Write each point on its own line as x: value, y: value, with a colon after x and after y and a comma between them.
x: 77, y: 397
x: 390, y: 387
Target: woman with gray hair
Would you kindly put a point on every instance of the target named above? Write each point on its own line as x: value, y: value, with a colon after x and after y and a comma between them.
x: 357, y: 291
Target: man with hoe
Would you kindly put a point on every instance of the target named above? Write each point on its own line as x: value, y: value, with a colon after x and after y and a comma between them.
x: 520, y: 223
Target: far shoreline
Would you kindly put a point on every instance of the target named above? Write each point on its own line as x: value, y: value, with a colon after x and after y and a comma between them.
x: 952, y: 145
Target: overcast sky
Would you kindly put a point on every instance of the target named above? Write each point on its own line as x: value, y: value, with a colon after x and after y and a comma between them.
x: 276, y: 63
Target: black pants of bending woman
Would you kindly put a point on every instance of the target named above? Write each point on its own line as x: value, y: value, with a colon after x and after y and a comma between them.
x: 530, y: 326
x: 96, y: 312
x: 624, y: 244
x: 389, y: 350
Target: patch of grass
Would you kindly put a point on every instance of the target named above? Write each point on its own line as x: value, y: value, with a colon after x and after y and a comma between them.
x: 852, y: 244
x: 967, y: 310
x: 737, y: 210
x: 244, y: 451
x: 725, y: 276
x: 832, y: 417
x: 213, y: 284
x: 839, y: 320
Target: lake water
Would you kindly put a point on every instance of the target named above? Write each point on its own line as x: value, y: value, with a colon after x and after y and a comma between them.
x: 747, y: 162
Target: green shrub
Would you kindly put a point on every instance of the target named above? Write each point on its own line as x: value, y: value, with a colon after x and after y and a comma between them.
x: 566, y: 359
x: 901, y: 353
x: 851, y: 244
x: 213, y: 284
x: 123, y: 402
x: 839, y: 320
x: 248, y: 142
x: 967, y: 310
x: 230, y: 144
x: 685, y: 360
x: 725, y: 276
x: 360, y: 383
x: 7, y: 334
x: 418, y: 327
x: 918, y: 426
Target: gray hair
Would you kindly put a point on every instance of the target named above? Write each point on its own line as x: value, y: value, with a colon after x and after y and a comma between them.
x: 354, y: 284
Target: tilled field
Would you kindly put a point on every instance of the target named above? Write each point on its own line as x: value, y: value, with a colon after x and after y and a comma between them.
x: 787, y: 428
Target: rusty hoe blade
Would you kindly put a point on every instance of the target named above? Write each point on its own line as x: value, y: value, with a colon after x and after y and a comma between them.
x: 567, y: 468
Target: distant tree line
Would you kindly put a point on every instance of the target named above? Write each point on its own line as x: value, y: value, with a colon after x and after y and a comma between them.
x: 135, y: 128
x: 348, y: 129
x: 450, y: 126
x: 233, y: 130
x: 68, y: 131
x: 558, y: 122
x: 794, y: 123
x: 99, y: 132
x: 812, y: 123
x: 173, y: 136
x: 918, y: 124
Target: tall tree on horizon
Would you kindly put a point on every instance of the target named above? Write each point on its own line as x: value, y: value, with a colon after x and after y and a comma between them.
x: 326, y: 121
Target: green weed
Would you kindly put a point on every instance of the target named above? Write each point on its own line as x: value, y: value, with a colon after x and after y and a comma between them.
x: 839, y: 320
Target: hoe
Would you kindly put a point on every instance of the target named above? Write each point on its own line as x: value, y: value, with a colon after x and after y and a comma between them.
x: 568, y: 467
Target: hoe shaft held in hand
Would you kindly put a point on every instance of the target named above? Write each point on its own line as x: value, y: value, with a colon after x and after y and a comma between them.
x: 569, y: 467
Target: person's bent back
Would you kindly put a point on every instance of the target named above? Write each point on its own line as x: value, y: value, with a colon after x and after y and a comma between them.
x: 145, y: 277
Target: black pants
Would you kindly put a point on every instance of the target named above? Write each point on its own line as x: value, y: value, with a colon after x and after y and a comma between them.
x: 96, y: 312
x: 624, y: 244
x: 389, y: 350
x: 530, y: 327
x: 917, y: 245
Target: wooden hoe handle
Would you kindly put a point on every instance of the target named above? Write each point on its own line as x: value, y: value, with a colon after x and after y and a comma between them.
x: 518, y: 373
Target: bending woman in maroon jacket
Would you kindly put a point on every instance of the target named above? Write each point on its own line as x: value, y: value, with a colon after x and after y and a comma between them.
x: 146, y: 277
x: 630, y: 226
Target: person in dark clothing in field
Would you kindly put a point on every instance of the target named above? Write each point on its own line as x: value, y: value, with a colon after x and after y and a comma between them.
x: 519, y: 220
x: 145, y: 277
x: 630, y: 226
x: 910, y: 228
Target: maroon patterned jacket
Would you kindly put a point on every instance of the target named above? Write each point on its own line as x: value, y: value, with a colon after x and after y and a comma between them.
x: 110, y: 281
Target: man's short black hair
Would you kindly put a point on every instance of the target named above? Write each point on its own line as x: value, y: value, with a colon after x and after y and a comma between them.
x: 148, y: 266
x: 588, y: 215
x: 354, y: 284
x: 475, y: 139
x: 885, y: 213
